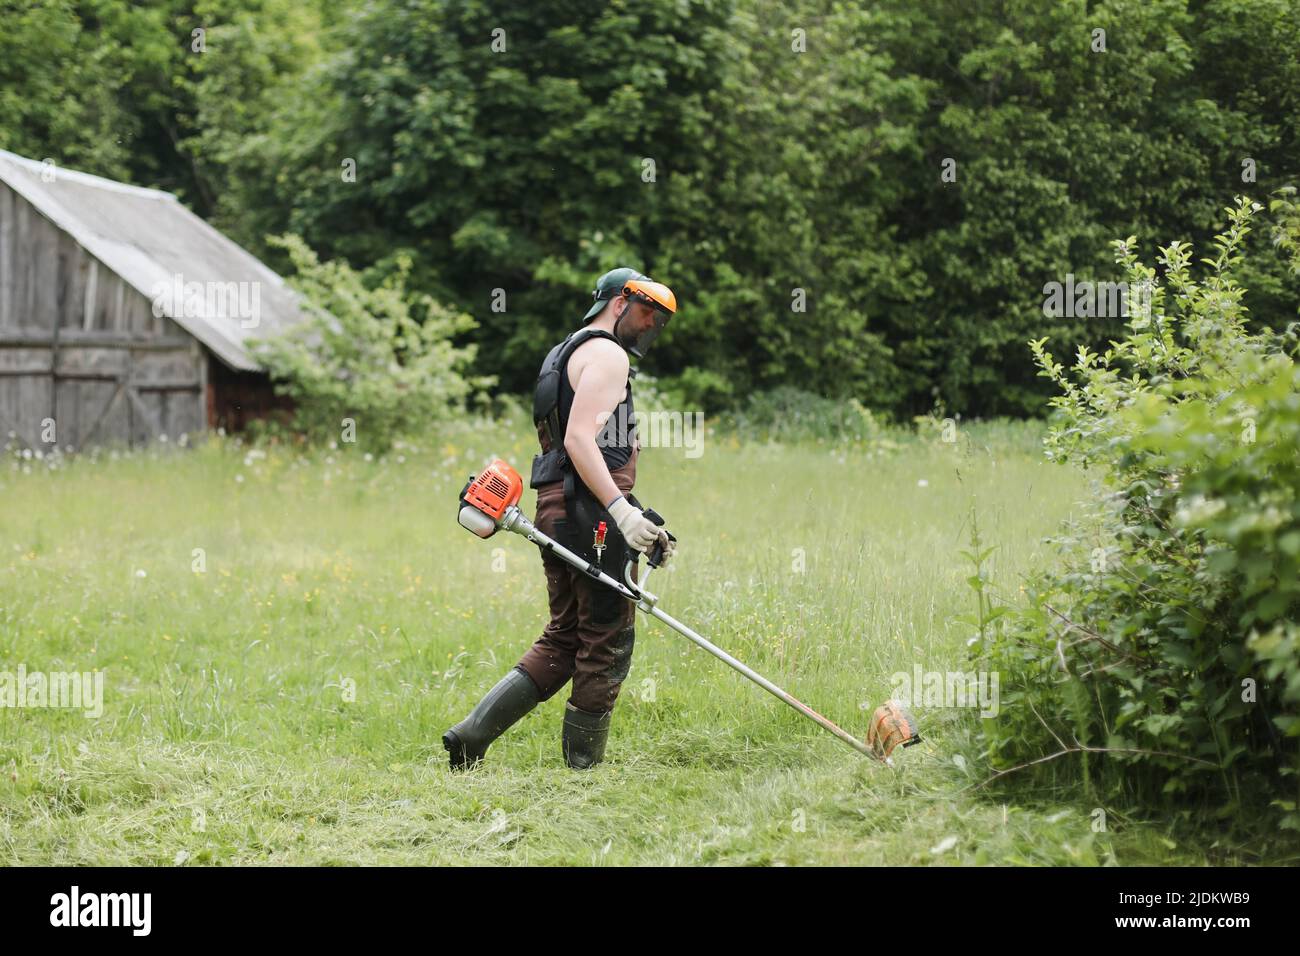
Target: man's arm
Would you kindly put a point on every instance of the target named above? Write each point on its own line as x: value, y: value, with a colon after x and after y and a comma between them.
x: 600, y: 388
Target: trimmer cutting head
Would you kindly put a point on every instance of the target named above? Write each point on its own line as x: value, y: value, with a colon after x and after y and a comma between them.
x: 891, y: 725
x: 486, y: 497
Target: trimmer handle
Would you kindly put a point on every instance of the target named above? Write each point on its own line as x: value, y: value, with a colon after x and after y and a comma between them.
x: 656, y: 553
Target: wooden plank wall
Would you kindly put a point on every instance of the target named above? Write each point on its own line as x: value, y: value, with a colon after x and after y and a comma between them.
x: 80, y: 346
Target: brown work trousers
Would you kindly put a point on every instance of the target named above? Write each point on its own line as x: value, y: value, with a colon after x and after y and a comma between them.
x: 592, y: 627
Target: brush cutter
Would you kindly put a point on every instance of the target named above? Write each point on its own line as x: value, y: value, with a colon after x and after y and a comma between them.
x: 489, y: 503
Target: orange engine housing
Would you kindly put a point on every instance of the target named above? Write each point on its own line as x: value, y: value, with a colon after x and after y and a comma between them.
x: 496, y: 488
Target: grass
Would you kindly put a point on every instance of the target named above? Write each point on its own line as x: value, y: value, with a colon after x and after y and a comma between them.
x: 284, y: 637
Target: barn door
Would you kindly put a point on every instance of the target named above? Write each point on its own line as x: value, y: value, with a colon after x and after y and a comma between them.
x: 89, y: 395
x: 26, y: 396
x: 133, y: 395
x: 165, y: 393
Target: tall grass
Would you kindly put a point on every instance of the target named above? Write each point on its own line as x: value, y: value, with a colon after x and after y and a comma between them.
x: 238, y: 600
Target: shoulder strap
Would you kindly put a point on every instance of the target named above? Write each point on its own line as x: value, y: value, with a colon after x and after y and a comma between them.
x: 546, y: 397
x: 570, y: 346
x: 582, y: 335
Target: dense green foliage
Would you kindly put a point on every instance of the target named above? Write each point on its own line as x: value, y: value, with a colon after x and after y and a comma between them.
x: 796, y: 201
x: 1163, y: 660
x: 373, y: 363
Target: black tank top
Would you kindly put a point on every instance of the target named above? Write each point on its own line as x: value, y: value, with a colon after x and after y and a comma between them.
x: 617, y: 437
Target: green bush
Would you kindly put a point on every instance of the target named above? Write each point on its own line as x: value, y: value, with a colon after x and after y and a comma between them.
x: 375, y: 356
x: 789, y: 414
x: 1161, y: 662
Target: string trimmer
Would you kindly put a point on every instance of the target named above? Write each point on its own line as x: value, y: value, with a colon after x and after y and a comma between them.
x: 489, y: 503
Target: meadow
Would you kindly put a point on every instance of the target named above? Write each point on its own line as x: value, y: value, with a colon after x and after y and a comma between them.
x: 284, y: 636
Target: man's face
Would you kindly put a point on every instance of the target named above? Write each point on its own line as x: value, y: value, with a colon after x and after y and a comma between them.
x: 639, y: 317
x: 638, y: 325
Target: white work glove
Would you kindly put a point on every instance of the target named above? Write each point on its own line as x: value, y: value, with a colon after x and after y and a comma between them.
x: 637, y: 530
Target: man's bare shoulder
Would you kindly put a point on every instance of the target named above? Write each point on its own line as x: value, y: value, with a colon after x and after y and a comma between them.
x: 602, y: 350
x: 609, y: 356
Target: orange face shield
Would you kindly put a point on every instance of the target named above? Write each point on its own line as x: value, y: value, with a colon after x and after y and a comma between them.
x: 660, y: 299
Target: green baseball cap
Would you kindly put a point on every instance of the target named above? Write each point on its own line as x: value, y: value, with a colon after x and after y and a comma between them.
x: 608, y: 286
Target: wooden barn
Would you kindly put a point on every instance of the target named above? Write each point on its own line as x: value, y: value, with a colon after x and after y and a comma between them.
x: 124, y: 317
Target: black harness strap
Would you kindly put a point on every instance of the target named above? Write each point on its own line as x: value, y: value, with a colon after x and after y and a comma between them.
x: 553, y: 464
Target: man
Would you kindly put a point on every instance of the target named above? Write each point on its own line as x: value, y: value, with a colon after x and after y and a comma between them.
x: 584, y: 477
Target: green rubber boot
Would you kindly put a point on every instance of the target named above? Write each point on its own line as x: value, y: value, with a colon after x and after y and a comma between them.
x: 512, y: 697
x: 584, y: 737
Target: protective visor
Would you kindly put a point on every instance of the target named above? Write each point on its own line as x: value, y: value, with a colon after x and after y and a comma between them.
x: 658, y: 297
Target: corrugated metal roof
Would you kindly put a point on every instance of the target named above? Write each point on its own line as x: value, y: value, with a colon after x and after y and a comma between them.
x: 148, y: 238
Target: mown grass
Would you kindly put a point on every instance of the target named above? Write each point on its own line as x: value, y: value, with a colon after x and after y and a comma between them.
x: 232, y: 599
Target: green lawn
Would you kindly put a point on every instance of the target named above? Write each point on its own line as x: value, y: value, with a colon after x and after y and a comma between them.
x: 226, y: 736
